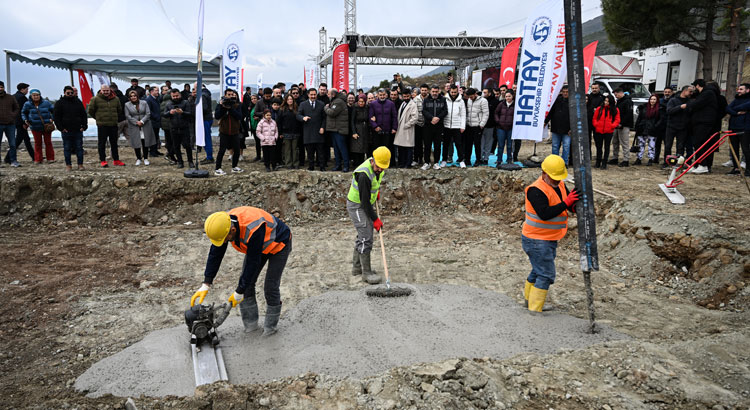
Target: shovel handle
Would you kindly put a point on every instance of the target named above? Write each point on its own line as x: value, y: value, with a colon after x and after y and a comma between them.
x: 382, y: 248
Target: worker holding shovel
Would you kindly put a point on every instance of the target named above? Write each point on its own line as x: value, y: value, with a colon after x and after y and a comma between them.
x: 548, y: 203
x: 363, y: 193
x: 262, y: 238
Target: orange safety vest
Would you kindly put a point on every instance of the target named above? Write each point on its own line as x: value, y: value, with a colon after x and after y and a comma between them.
x: 550, y: 230
x: 249, y: 220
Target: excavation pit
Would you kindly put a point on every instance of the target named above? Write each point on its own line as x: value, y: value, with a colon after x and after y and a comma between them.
x: 347, y: 334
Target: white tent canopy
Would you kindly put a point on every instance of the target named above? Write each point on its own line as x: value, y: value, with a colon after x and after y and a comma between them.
x: 120, y: 40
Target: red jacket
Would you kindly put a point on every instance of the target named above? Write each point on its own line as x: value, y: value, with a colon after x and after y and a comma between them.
x: 605, y: 124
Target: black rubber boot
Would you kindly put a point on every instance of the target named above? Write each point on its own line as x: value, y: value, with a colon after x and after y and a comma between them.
x: 356, y: 264
x: 272, y: 320
x: 249, y: 313
x: 368, y: 275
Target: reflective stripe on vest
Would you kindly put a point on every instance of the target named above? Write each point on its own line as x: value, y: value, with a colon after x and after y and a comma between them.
x: 249, y: 220
x: 365, y: 167
x: 552, y: 229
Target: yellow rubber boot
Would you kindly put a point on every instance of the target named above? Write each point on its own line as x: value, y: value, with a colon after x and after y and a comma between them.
x: 526, y: 290
x: 536, y: 299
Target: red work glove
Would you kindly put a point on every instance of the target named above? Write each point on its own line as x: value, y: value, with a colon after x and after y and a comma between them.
x: 377, y: 224
x: 378, y: 196
x: 571, y: 199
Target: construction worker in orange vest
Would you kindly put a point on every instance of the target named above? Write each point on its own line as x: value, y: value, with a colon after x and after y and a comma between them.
x: 548, y: 203
x: 262, y: 238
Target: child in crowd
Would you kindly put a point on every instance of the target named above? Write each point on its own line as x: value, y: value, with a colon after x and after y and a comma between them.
x: 268, y: 133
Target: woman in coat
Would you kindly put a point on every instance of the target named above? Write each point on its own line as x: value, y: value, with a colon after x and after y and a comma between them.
x: 605, y: 119
x: 290, y: 131
x: 404, y: 140
x: 504, y: 130
x: 360, y: 143
x: 646, y: 128
x: 36, y: 113
x: 140, y: 133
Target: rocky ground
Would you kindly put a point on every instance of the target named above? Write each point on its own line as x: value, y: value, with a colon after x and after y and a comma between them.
x: 94, y: 260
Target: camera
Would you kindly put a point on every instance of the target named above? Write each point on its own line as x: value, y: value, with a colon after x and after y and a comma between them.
x: 229, y: 102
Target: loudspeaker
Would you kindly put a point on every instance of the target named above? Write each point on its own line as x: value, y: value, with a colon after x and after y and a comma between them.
x: 352, y: 44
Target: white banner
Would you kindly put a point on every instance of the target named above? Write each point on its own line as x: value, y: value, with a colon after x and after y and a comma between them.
x: 476, y: 79
x: 231, y: 61
x: 200, y: 137
x: 101, y: 76
x: 536, y: 69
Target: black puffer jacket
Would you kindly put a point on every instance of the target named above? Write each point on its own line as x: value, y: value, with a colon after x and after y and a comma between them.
x: 559, y: 116
x: 704, y: 107
x: 289, y: 127
x: 648, y: 126
x: 70, y: 114
x: 434, y: 107
x: 677, y: 117
x: 625, y: 105
x: 179, y: 122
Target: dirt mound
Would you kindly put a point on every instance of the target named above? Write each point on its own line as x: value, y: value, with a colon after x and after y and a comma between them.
x: 347, y: 334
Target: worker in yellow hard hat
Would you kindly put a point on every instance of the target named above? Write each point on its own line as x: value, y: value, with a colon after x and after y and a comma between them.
x: 547, y: 205
x: 263, y: 238
x: 363, y: 192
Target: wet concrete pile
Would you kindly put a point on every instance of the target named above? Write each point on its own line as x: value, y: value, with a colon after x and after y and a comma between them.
x: 347, y: 334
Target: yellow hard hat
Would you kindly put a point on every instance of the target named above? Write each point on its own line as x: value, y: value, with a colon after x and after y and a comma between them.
x: 217, y: 227
x: 382, y: 157
x: 555, y: 167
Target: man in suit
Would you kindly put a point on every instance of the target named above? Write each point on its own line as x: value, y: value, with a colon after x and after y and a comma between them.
x: 313, y: 117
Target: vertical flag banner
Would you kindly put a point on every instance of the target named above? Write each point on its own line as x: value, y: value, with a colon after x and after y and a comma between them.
x: 304, y: 76
x: 341, y: 67
x: 312, y: 78
x: 231, y: 61
x: 85, y: 90
x: 102, y: 77
x: 259, y: 81
x: 200, y: 137
x: 536, y: 69
x: 240, y: 91
x: 508, y: 63
x: 559, y: 65
x: 360, y: 80
x: 588, y: 62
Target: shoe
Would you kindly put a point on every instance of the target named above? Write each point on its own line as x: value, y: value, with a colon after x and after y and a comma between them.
x: 180, y: 165
x: 345, y: 170
x: 742, y: 165
x: 604, y: 165
x: 219, y: 172
x: 268, y: 168
x: 15, y: 164
x: 700, y: 169
x: 425, y: 167
x: 104, y: 164
x: 436, y: 166
x: 443, y: 164
x: 311, y: 168
x: 68, y: 168
x: 146, y: 162
x: 537, y: 298
x: 368, y: 275
x: 81, y: 168
x: 272, y: 320
x: 138, y: 163
x: 612, y: 161
x: 356, y: 264
x: 157, y: 154
x: 650, y: 162
x: 207, y: 161
x: 51, y: 162
x: 118, y: 163
x: 598, y: 164
x: 414, y: 163
x: 462, y: 164
x: 257, y: 159
x: 734, y: 171
x: 624, y: 164
x: 637, y: 162
x: 336, y: 169
x: 237, y: 170
x: 249, y: 314
x: 728, y: 163
x: 322, y: 169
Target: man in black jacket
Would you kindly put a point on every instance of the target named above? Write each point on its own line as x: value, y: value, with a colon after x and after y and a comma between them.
x: 229, y: 113
x: 678, y: 122
x: 621, y: 136
x: 595, y: 99
x: 434, y: 109
x: 179, y: 112
x: 152, y: 99
x: 488, y: 134
x: 311, y: 113
x: 559, y: 117
x: 22, y: 134
x: 71, y: 120
x: 703, y: 111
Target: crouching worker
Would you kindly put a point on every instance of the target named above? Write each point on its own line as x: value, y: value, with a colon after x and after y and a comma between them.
x: 262, y: 238
x: 363, y: 192
x: 548, y: 203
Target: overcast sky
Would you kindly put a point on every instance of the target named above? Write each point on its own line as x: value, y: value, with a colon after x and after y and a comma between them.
x: 280, y: 35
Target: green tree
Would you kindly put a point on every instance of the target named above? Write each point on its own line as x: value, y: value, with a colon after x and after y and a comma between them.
x: 632, y: 24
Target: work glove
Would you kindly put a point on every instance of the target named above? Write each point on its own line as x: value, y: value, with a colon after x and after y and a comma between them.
x: 378, y: 196
x: 377, y: 224
x: 236, y: 298
x: 200, y: 295
x: 572, y: 199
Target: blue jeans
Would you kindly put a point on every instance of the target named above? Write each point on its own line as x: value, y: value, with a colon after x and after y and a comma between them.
x: 542, y: 257
x: 565, y: 138
x: 71, y: 141
x: 504, y: 140
x: 209, y: 142
x: 340, y: 150
x: 10, y: 133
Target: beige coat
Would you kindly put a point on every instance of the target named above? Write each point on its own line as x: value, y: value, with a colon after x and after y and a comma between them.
x: 132, y: 116
x: 407, y: 119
